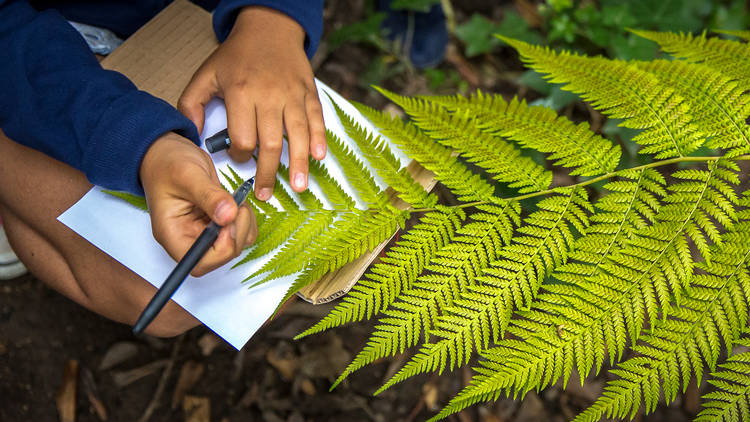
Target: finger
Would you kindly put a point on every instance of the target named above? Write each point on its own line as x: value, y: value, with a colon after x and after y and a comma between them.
x: 244, y: 225
x: 316, y: 126
x: 269, y: 132
x: 199, y: 91
x: 295, y: 121
x: 241, y: 125
x: 202, y: 188
x: 221, y: 252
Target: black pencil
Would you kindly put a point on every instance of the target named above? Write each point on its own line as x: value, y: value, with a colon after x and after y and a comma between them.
x: 186, y: 265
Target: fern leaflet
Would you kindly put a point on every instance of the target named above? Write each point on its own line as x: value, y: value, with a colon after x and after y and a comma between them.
x: 622, y: 91
x: 729, y: 403
x: 394, y: 273
x: 729, y: 57
x: 491, y: 153
x: 537, y: 127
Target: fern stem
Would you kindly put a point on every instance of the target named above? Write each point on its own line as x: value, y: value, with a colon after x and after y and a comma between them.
x: 609, y: 175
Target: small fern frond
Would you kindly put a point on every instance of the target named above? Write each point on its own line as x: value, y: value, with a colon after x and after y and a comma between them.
x: 499, y: 158
x: 731, y: 400
x: 570, y: 145
x: 134, y: 200
x: 466, y: 185
x: 354, y: 236
x: 287, y: 260
x: 715, y: 309
x: 395, y: 272
x: 276, y: 229
x: 307, y: 199
x: 338, y: 198
x: 621, y: 90
x: 719, y: 104
x: 356, y: 173
x: 378, y: 154
x: 745, y: 35
x: 454, y: 267
x: 511, y: 282
x: 286, y: 201
x: 729, y: 57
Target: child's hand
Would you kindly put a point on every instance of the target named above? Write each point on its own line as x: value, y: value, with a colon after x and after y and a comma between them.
x: 183, y: 194
x: 267, y: 84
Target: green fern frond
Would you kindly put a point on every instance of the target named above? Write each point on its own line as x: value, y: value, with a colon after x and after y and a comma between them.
x: 453, y: 268
x: 395, y: 272
x: 378, y: 154
x: 729, y: 57
x: 714, y: 311
x: 356, y: 173
x: 466, y: 185
x: 306, y: 198
x: 510, y: 282
x: 134, y: 200
x: 539, y: 128
x: 575, y: 323
x: 276, y: 229
x: 338, y: 198
x: 491, y: 153
x: 287, y: 260
x: 349, y: 238
x: 719, y: 104
x: 745, y: 35
x: 621, y: 90
x: 731, y: 400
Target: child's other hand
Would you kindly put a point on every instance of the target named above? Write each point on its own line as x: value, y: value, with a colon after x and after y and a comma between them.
x: 183, y: 194
x: 262, y: 73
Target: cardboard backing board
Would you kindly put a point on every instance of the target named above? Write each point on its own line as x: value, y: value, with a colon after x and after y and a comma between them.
x: 161, y: 57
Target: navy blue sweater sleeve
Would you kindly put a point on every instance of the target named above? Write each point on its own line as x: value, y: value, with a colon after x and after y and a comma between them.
x: 308, y: 13
x: 57, y: 99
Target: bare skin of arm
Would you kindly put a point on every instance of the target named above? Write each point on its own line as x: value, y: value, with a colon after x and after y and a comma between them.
x: 182, y: 191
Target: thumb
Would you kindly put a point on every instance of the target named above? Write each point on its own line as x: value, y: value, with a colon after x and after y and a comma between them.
x: 207, y: 194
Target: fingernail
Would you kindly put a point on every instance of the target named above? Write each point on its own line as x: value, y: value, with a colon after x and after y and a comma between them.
x: 320, y: 151
x: 264, y: 194
x: 233, y: 231
x: 299, y: 181
x: 221, y: 210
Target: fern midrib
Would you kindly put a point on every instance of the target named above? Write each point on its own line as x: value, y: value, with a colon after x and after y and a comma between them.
x: 476, y: 314
x: 609, y: 175
x: 623, y: 296
x: 648, y: 372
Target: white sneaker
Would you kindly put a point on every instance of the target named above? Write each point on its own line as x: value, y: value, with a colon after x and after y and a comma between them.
x: 10, y: 266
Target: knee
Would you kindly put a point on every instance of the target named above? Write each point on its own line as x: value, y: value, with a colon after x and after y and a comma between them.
x: 171, y: 322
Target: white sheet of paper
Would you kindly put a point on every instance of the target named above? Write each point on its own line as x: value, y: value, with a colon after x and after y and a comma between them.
x: 218, y: 299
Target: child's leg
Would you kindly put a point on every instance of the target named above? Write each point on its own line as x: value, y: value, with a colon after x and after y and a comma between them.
x: 35, y: 190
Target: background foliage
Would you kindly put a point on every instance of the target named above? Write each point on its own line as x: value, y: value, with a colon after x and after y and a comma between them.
x: 576, y: 281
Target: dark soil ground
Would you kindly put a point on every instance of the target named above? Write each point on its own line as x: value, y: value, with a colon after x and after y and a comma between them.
x: 274, y: 378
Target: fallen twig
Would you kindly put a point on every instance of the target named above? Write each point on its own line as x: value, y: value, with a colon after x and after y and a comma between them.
x: 162, y: 382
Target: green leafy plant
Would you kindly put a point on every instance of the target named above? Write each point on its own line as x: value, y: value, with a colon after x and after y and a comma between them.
x: 650, y: 278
